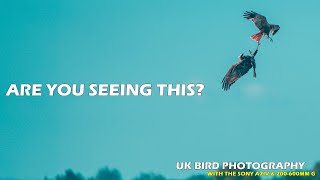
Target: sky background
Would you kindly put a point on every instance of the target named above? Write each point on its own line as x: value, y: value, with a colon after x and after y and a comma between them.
x: 274, y: 117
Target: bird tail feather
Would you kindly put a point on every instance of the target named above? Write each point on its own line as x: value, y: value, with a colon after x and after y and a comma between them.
x: 257, y: 37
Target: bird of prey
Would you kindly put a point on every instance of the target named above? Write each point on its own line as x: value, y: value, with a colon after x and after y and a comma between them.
x: 262, y: 24
x: 239, y: 69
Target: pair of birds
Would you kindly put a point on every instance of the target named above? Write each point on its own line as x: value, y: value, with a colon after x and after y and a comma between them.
x: 247, y: 62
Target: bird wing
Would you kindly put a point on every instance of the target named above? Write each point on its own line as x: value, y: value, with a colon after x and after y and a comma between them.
x: 259, y: 20
x: 235, y: 72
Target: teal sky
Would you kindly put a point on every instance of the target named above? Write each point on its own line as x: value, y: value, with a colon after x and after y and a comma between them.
x: 272, y: 118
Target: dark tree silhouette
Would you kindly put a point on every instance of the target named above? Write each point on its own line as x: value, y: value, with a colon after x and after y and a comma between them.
x: 70, y: 175
x: 107, y: 174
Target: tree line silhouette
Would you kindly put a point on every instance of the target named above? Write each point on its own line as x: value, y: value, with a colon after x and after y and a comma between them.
x: 113, y: 174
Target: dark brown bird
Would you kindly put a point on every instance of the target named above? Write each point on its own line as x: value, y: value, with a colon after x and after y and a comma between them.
x: 262, y: 24
x: 239, y: 69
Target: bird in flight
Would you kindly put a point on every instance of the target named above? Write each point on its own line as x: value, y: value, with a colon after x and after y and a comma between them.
x: 262, y: 24
x: 239, y: 69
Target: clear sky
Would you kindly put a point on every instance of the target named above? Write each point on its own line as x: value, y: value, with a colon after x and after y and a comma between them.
x: 272, y: 118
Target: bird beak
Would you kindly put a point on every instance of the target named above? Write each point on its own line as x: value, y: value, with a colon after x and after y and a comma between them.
x: 255, y: 53
x: 274, y: 32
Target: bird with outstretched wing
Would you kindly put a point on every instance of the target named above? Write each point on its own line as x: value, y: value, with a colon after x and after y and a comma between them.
x: 262, y: 24
x: 239, y: 69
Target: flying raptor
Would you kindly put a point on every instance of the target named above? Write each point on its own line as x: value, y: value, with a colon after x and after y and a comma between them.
x: 239, y: 69
x: 262, y: 24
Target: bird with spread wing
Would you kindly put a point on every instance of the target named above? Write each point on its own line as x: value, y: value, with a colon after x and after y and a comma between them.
x: 239, y: 69
x: 262, y: 24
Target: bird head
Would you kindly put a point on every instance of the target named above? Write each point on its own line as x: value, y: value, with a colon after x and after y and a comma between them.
x: 274, y: 29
